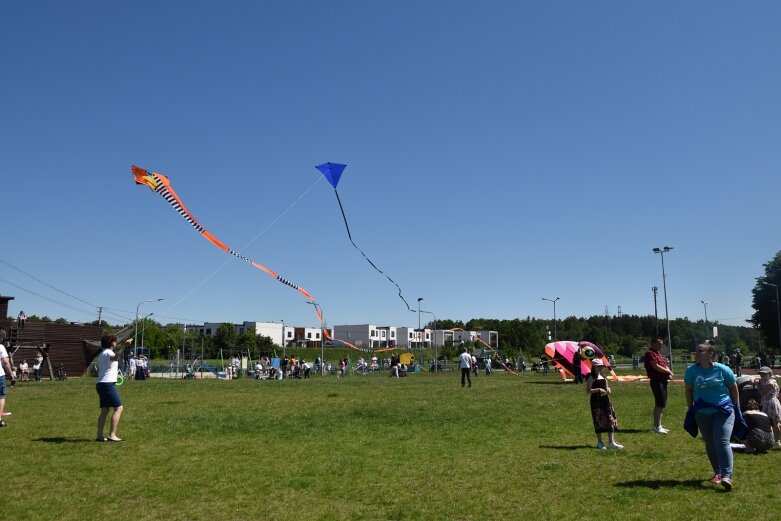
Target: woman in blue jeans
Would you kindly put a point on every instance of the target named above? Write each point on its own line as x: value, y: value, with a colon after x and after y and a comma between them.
x: 712, y: 395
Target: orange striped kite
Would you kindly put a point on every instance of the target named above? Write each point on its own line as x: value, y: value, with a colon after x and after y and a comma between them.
x: 160, y: 184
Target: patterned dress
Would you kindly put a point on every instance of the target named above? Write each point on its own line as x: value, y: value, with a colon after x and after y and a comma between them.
x: 602, y: 412
x: 770, y: 404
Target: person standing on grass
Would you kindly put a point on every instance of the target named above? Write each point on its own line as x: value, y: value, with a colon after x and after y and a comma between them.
x: 659, y: 373
x: 465, y: 363
x: 5, y: 367
x: 768, y: 389
x: 108, y: 369
x: 602, y: 413
x: 712, y: 398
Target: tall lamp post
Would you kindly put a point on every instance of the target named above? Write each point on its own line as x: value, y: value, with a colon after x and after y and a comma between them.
x: 135, y: 336
x: 284, y: 343
x: 662, y: 251
x: 143, y: 328
x: 705, y: 305
x: 778, y: 313
x: 420, y: 336
x: 434, y: 340
x: 554, y: 300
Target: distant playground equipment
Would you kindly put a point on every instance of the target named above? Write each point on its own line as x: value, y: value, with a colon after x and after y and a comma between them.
x: 185, y: 365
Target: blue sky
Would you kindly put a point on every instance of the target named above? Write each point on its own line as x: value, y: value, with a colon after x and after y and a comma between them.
x: 497, y: 152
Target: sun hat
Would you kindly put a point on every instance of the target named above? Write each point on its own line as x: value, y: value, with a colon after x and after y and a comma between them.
x: 765, y: 369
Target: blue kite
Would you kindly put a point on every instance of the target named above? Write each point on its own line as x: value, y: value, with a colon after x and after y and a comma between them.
x: 333, y: 172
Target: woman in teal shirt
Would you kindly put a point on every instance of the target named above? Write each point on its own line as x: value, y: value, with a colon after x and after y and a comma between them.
x: 711, y: 394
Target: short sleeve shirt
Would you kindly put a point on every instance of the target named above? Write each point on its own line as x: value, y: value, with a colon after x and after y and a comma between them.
x: 107, y: 368
x: 710, y: 384
x: 653, y: 358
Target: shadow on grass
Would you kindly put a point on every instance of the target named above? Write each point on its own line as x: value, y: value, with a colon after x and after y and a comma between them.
x: 60, y: 439
x: 656, y: 484
x: 567, y: 447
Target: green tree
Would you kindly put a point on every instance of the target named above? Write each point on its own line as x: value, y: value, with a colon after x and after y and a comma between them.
x: 765, y: 304
x: 226, y: 337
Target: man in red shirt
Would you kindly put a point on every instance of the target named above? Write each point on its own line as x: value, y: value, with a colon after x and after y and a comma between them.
x: 659, y: 373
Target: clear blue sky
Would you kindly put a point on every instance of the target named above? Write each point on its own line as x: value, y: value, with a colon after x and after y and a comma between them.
x: 497, y: 152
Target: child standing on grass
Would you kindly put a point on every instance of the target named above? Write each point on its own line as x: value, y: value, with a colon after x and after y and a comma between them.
x: 768, y: 389
x: 602, y: 413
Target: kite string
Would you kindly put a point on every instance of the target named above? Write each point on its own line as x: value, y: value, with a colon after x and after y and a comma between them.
x: 225, y: 264
x: 349, y: 235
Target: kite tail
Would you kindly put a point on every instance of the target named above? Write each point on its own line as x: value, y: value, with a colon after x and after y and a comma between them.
x: 161, y: 185
x: 350, y: 236
x: 501, y: 358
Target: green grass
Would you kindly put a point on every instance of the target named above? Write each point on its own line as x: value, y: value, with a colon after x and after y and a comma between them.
x: 366, y: 447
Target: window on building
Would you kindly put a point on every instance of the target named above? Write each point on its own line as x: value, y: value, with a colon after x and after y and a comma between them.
x: 393, y: 334
x: 309, y: 335
x: 317, y: 336
x: 372, y: 332
x: 290, y: 334
x: 209, y: 331
x: 382, y: 333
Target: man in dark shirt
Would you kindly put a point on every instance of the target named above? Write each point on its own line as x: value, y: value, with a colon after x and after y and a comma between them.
x: 659, y: 373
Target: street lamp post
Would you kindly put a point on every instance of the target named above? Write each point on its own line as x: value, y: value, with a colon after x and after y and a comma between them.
x: 778, y: 313
x: 434, y: 340
x: 135, y: 336
x: 420, y: 336
x: 554, y: 300
x: 143, y: 344
x: 662, y: 251
x: 705, y: 305
x: 284, y: 343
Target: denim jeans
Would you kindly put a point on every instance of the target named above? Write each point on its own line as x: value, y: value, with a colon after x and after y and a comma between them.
x: 716, y: 430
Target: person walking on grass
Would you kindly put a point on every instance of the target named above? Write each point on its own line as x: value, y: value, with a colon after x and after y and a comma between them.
x: 659, y: 373
x: 465, y: 363
x: 712, y: 398
x: 108, y: 369
x: 5, y: 367
x: 602, y: 413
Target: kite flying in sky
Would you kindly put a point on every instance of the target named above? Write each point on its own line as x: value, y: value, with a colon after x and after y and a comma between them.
x: 333, y: 172
x: 160, y: 184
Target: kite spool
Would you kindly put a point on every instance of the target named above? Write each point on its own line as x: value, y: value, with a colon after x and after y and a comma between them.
x: 587, y: 352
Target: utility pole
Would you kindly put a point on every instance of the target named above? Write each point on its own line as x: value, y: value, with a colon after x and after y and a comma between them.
x: 656, y: 310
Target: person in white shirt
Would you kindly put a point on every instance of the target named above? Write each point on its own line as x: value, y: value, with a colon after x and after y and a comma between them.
x: 108, y: 369
x: 465, y: 363
x: 5, y: 367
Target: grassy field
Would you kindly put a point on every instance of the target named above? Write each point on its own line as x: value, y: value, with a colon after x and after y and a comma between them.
x: 365, y: 447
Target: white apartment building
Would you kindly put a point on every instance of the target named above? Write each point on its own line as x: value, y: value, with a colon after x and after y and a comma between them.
x: 273, y: 330
x: 411, y: 337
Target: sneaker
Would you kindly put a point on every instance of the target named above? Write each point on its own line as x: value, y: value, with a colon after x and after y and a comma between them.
x: 660, y: 430
x: 726, y: 483
x: 600, y: 446
x: 716, y: 479
x: 615, y: 445
x: 2, y: 423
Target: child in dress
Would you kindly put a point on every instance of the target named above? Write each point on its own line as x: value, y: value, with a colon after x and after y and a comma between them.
x: 768, y: 388
x: 602, y: 412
